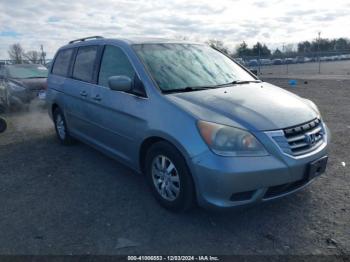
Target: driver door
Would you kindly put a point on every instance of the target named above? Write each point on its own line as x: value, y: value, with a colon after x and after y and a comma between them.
x: 118, y: 117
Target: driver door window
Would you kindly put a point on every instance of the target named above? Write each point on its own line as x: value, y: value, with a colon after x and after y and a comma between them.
x: 114, y: 63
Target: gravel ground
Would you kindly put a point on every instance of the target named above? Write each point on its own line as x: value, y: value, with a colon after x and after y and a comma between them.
x: 74, y: 200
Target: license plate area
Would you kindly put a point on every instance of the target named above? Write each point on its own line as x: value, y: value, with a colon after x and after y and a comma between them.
x: 317, y: 167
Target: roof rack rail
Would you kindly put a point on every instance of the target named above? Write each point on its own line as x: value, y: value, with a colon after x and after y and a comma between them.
x: 85, y: 38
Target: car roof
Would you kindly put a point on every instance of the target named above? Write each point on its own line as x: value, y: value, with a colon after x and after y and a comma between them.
x: 127, y: 41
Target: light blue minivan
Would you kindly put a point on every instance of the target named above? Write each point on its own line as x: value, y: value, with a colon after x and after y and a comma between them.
x: 202, y: 128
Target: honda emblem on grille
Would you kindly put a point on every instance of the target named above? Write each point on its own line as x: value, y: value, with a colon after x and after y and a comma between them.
x: 310, y: 139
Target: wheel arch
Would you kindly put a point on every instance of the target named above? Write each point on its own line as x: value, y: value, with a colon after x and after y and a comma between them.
x: 147, y: 144
x: 151, y: 140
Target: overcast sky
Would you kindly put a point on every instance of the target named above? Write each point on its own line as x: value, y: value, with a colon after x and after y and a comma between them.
x: 54, y: 23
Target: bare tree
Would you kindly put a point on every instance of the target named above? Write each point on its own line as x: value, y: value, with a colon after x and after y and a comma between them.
x: 33, y: 57
x: 219, y: 45
x: 16, y: 53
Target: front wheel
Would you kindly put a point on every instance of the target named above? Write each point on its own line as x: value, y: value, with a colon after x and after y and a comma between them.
x: 169, y: 177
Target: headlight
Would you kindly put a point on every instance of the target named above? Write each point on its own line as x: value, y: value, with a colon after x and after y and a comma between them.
x: 15, y: 87
x: 230, y: 141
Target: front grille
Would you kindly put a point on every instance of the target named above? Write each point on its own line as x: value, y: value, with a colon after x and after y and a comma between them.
x: 301, y: 139
x: 275, y: 191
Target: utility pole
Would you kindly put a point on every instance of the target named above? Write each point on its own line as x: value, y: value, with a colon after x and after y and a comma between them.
x: 259, y: 59
x: 42, y: 55
x: 283, y: 49
x: 318, y: 49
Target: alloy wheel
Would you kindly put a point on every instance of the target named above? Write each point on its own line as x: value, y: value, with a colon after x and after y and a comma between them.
x: 61, y: 128
x: 165, y: 178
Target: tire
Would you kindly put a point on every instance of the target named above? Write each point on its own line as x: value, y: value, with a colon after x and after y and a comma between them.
x: 3, y: 125
x: 174, y: 190
x: 61, y: 128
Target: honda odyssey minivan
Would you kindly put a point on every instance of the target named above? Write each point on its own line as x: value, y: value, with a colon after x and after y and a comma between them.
x: 199, y: 126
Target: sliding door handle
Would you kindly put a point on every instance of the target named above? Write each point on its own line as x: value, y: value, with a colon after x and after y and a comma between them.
x: 83, y: 93
x: 97, y: 98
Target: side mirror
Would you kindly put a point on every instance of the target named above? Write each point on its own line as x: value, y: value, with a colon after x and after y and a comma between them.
x: 120, y: 83
x: 3, y: 125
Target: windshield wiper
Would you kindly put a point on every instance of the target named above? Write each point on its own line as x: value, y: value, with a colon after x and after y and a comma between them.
x: 197, y: 88
x: 237, y: 82
x: 186, y: 89
x: 241, y: 82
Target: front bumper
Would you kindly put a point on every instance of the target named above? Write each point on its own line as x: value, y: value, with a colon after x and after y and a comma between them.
x: 225, y: 182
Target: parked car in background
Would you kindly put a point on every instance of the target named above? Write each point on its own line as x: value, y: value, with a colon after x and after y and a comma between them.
x: 325, y: 58
x: 199, y: 126
x: 289, y: 61
x: 253, y: 62
x: 277, y: 62
x: 335, y: 57
x: 265, y: 62
x: 299, y: 59
x: 48, y: 65
x: 344, y: 57
x: 239, y: 60
x: 307, y: 59
x: 19, y: 84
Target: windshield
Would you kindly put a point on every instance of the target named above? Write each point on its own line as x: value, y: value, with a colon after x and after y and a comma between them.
x: 25, y: 71
x: 179, y: 66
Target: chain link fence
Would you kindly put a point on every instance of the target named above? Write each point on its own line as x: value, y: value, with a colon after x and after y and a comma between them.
x: 327, y: 63
x: 13, y: 62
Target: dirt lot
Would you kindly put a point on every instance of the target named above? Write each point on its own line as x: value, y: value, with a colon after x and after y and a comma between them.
x: 74, y: 200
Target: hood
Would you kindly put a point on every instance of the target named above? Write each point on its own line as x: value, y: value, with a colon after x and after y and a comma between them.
x: 255, y: 106
x: 33, y: 84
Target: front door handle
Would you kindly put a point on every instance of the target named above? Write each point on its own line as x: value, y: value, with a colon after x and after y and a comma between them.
x: 83, y: 93
x: 97, y: 98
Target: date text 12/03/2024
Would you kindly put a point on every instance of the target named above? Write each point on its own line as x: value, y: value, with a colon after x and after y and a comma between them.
x: 173, y: 258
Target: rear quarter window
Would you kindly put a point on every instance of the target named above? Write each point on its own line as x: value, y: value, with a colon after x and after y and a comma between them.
x: 61, y: 64
x: 85, y: 63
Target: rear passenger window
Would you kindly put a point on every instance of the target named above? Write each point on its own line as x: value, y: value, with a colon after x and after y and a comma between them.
x: 84, y: 63
x: 61, y: 63
x: 114, y: 63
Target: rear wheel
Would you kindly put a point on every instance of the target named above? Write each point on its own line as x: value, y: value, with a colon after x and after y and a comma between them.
x: 169, y: 177
x: 61, y: 128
